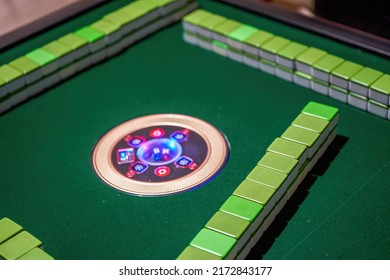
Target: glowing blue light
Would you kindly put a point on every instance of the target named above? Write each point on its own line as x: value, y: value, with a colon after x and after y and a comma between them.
x: 160, y: 151
x: 183, y: 162
x: 179, y: 136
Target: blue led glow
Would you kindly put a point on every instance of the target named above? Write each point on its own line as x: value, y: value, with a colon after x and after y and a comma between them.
x: 183, y: 162
x: 160, y: 151
x: 179, y: 136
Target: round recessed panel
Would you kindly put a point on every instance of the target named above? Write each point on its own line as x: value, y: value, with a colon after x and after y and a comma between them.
x: 159, y: 155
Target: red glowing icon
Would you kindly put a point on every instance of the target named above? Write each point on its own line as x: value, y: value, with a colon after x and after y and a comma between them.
x: 157, y: 133
x: 193, y: 166
x: 162, y: 171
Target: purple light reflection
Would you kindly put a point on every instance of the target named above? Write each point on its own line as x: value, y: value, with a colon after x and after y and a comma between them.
x: 161, y: 151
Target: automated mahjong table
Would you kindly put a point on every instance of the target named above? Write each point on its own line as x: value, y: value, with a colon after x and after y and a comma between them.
x: 51, y: 182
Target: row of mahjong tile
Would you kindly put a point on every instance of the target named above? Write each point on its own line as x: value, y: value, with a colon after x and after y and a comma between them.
x: 41, y: 68
x: 362, y: 87
x: 18, y: 244
x: 247, y: 213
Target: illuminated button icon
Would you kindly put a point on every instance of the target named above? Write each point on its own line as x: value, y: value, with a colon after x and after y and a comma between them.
x: 157, y: 133
x: 183, y: 162
x: 162, y: 171
x: 179, y: 136
x: 193, y: 166
x: 127, y: 138
x: 138, y: 167
x: 136, y: 141
x: 125, y: 155
x: 157, y: 154
x: 130, y: 173
x: 166, y: 154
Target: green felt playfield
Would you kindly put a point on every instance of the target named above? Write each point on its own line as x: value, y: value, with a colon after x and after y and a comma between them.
x: 63, y: 99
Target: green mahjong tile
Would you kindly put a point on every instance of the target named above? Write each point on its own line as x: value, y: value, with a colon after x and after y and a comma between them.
x: 310, y: 56
x: 278, y: 162
x: 269, y: 63
x: 358, y: 96
x: 162, y: 3
x: 382, y: 84
x: 89, y: 34
x: 310, y: 122
x: 301, y: 135
x: 140, y: 7
x: 73, y: 41
x: 57, y: 48
x: 18, y: 245
x: 303, y: 75
x: 236, y: 51
x: 24, y: 65
x: 316, y: 154
x: 242, y: 33
x: 242, y: 208
x: 133, y: 12
x: 196, y: 17
x: 36, y: 254
x: 105, y: 26
x: 220, y: 45
x: 228, y: 224
x: 292, y: 50
x: 321, y: 82
x: 275, y: 44
x: 41, y: 56
x: 254, y: 191
x: 366, y: 76
x: 258, y: 38
x: 287, y: 148
x: 252, y: 56
x: 227, y: 27
x: 192, y: 253
x: 320, y: 110
x: 213, y: 242
x: 328, y: 63
x: 285, y: 69
x: 267, y: 177
x: 119, y: 18
x: 378, y: 104
x: 212, y: 21
x: 8, y: 228
x: 148, y: 5
x: 346, y: 70
x: 342, y: 90
x: 8, y: 73
x: 205, y: 39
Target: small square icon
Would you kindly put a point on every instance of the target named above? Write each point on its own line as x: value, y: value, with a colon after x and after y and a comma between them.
x: 183, y: 162
x: 125, y: 155
x: 179, y: 136
x: 139, y: 167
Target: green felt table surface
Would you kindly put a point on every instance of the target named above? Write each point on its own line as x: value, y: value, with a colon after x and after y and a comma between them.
x: 47, y: 184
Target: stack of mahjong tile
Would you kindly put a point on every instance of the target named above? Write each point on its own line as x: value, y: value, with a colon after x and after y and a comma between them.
x: 351, y: 83
x: 247, y: 213
x: 44, y: 67
x: 18, y: 244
